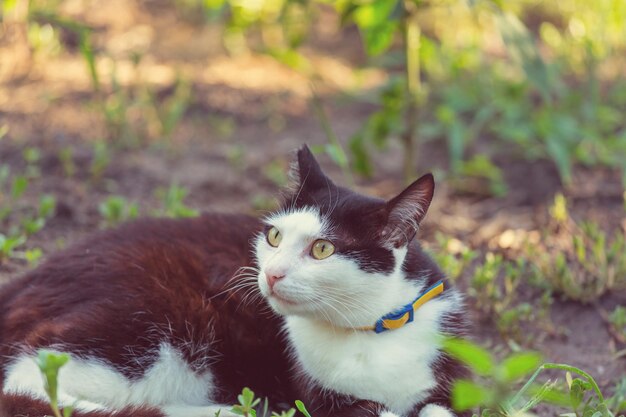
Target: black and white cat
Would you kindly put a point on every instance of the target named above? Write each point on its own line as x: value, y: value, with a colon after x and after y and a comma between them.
x: 160, y: 316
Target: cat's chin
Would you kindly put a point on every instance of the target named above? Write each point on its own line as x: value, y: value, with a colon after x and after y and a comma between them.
x: 286, y: 307
x: 282, y: 300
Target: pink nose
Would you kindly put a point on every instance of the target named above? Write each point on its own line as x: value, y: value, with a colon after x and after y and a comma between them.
x: 273, y: 277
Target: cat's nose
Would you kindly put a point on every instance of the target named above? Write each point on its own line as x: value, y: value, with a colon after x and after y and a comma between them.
x: 273, y: 277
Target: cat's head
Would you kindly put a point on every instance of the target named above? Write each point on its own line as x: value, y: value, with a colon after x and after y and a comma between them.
x: 336, y: 255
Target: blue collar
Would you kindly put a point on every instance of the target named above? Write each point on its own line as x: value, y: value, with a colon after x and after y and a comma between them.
x: 404, y: 315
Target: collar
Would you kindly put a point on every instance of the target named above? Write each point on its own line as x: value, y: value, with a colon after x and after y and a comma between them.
x: 404, y: 315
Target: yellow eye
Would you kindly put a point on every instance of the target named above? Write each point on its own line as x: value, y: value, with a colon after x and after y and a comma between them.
x: 274, y: 237
x: 322, y: 249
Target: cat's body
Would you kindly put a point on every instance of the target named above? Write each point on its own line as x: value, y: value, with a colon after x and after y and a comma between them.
x: 162, y: 317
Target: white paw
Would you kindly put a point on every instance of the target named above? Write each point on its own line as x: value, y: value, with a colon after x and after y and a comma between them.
x: 434, y: 410
x: 191, y: 411
x: 388, y: 414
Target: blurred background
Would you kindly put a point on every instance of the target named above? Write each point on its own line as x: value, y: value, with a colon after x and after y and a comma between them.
x: 110, y: 110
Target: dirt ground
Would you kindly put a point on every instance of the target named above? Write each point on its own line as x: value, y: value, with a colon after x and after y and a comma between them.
x: 263, y: 108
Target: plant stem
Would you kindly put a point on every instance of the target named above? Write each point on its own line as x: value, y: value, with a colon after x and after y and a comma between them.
x: 318, y: 107
x: 412, y: 35
x: 567, y: 368
x: 55, y: 409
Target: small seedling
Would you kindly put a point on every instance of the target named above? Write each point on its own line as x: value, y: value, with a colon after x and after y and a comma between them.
x: 20, y: 183
x: 8, y: 244
x: 47, y: 204
x: 33, y: 256
x: 300, y: 406
x: 452, y: 255
x: 66, y: 157
x: 263, y: 202
x: 617, y: 319
x: 32, y: 156
x: 247, y: 403
x: 24, y: 220
x: 169, y: 112
x: 172, y: 200
x: 617, y: 402
x: 4, y: 129
x: 32, y: 226
x: 494, y: 287
x: 275, y: 172
x: 49, y: 364
x: 116, y: 209
x: 100, y: 161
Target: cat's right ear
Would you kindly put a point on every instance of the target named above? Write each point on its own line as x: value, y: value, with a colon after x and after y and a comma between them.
x: 306, y: 173
x: 406, y: 211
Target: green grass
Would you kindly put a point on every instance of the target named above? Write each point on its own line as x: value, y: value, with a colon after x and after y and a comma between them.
x: 578, y: 259
x: 116, y: 209
x: 20, y: 220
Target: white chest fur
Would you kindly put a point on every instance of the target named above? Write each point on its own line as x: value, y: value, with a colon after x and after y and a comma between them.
x: 392, y: 368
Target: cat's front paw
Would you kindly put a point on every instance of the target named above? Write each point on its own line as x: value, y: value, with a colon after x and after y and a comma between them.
x: 193, y: 411
x: 434, y: 410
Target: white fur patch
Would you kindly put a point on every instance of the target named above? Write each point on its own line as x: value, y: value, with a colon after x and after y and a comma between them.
x: 190, y: 411
x: 388, y: 414
x: 392, y: 368
x: 91, y: 384
x: 434, y: 410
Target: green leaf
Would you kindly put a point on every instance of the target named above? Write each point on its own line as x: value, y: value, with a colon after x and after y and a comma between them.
x: 214, y: 4
x: 9, y: 243
x: 577, y: 392
x: 361, y: 159
x: 561, y: 155
x: 373, y: 14
x: 379, y: 38
x: 476, y: 357
x: 19, y: 186
x: 300, y: 406
x: 47, y: 203
x: 32, y: 155
x: 520, y: 364
x: 86, y: 50
x: 4, y: 174
x: 32, y: 226
x: 467, y: 394
x: 337, y: 154
x: 33, y: 255
x: 523, y: 50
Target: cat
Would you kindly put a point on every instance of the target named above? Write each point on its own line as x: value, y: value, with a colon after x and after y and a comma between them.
x: 329, y: 300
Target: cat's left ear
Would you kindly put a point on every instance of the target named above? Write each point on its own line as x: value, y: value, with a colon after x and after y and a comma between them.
x: 406, y: 211
x: 307, y: 175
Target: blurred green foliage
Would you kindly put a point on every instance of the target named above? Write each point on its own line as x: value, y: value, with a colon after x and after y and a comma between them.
x: 549, y: 88
x: 540, y: 80
x: 20, y: 218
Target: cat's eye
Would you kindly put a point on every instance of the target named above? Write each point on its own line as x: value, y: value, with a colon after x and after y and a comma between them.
x: 274, y: 237
x: 322, y: 249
